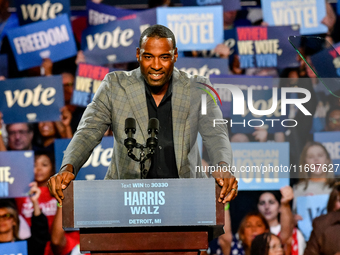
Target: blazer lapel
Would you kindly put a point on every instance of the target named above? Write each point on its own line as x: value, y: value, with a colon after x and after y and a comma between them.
x: 135, y: 91
x: 180, y: 103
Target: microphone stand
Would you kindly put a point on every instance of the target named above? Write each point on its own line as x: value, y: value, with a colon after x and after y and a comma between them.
x: 151, y: 143
x: 142, y: 157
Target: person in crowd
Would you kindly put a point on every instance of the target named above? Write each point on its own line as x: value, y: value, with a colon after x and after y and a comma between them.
x: 333, y: 119
x: 9, y: 226
x: 299, y: 135
x: 44, y: 168
x: 77, y: 112
x: 324, y: 238
x: 63, y: 243
x: 252, y: 224
x: 266, y: 244
x: 48, y: 131
x: 334, y: 199
x: 279, y: 216
x: 313, y: 182
x: 20, y: 136
x: 2, y: 130
x: 7, y: 20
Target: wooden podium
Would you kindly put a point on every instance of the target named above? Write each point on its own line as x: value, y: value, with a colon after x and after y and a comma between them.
x: 119, y: 235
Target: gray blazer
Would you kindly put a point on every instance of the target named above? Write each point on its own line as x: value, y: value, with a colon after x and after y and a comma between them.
x: 122, y: 95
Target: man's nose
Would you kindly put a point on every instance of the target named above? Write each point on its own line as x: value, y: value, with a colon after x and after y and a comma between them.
x: 156, y: 64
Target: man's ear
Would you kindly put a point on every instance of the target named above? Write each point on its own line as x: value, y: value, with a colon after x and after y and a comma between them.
x: 137, y: 53
x: 175, y: 55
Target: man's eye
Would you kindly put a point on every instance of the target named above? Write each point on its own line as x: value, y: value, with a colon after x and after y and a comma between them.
x: 165, y: 57
x: 147, y: 57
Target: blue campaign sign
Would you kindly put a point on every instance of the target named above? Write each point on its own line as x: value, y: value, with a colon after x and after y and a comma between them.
x: 230, y: 41
x: 307, y: 14
x: 261, y: 46
x: 44, y: 39
x: 39, y: 10
x: 96, y: 166
x: 13, y: 248
x: 113, y: 42
x: 88, y: 79
x: 310, y: 207
x: 203, y: 66
x: 327, y: 63
x: 147, y: 18
x: 195, y: 28
x: 31, y: 99
x: 220, y: 83
x: 3, y: 65
x: 333, y: 147
x: 11, y: 22
x: 261, y: 166
x: 16, y: 173
x: 101, y: 13
x: 228, y: 5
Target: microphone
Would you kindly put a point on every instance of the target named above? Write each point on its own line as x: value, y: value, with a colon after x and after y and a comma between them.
x: 153, y: 128
x: 130, y: 130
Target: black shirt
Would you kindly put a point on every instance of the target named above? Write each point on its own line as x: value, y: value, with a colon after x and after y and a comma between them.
x: 163, y: 162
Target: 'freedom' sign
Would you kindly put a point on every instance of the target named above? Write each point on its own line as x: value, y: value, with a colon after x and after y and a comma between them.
x: 102, y: 14
x: 307, y: 14
x: 195, y: 28
x: 37, y: 10
x: 31, y: 99
x: 45, y: 39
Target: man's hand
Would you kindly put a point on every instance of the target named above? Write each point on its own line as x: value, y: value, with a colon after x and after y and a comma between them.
x: 229, y: 188
x: 58, y: 182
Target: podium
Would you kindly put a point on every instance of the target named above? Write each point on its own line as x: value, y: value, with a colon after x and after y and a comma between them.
x: 145, y: 217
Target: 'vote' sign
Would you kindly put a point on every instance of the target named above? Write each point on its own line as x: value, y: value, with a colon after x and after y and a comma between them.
x: 31, y: 99
x: 96, y: 166
x: 114, y: 42
x: 37, y: 10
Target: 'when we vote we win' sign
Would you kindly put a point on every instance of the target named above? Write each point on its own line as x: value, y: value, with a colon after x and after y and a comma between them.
x: 266, y: 46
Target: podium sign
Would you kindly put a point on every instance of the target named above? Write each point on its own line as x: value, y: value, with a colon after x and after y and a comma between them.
x: 136, y: 203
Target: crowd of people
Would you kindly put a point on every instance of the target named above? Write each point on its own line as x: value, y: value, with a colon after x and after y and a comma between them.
x: 262, y: 222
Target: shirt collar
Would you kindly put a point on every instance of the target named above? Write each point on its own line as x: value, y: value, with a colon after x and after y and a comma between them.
x: 167, y: 93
